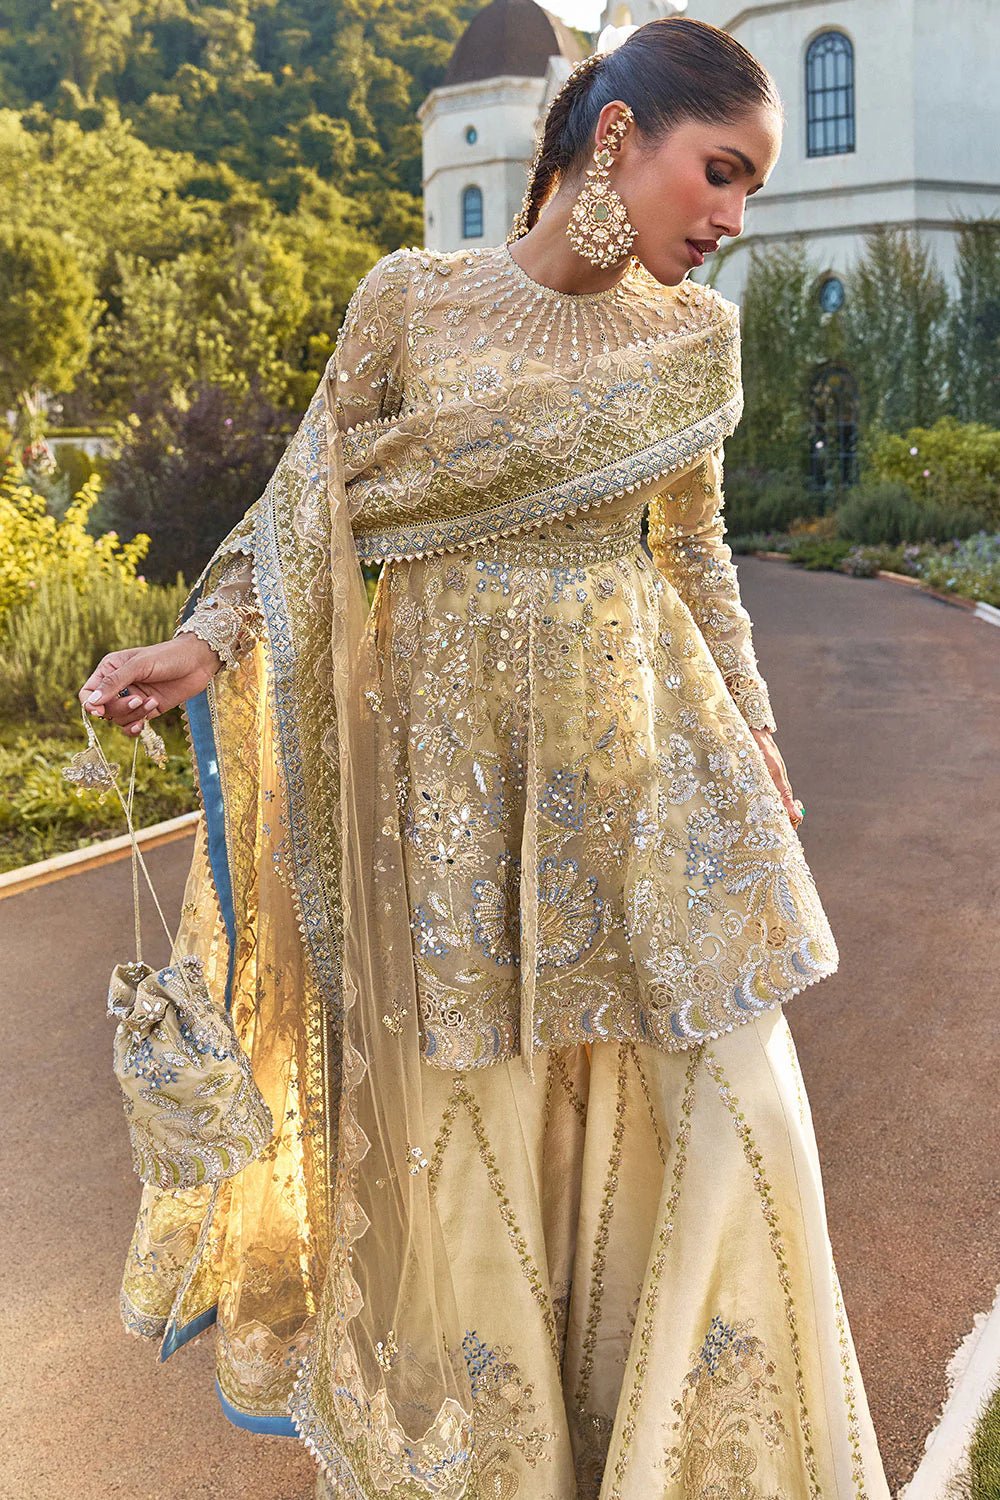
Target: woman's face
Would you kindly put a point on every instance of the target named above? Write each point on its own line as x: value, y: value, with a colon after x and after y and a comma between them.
x: 691, y: 186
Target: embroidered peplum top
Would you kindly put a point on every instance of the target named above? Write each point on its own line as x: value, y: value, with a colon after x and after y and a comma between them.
x: 594, y: 845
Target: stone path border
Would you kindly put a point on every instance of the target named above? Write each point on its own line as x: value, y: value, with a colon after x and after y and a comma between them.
x: 12, y: 882
x: 973, y: 1374
x: 978, y: 607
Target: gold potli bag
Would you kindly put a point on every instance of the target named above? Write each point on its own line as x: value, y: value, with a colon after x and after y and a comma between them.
x: 195, y: 1114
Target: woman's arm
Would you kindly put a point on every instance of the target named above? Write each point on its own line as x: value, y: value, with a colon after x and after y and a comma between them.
x: 228, y: 617
x: 686, y: 531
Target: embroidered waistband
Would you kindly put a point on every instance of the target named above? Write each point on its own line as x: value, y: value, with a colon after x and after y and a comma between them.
x: 576, y: 541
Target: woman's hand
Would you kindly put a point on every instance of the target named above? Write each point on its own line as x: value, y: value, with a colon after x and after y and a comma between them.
x: 159, y: 676
x: 779, y: 775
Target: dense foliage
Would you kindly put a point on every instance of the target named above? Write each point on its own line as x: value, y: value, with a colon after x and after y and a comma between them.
x: 916, y: 351
x: 281, y: 94
x: 36, y: 546
x: 195, y: 191
x: 952, y: 463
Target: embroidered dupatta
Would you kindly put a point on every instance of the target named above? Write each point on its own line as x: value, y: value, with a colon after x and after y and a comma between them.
x: 326, y: 1253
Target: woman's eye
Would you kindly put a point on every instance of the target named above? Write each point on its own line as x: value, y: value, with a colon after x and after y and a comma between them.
x: 717, y: 179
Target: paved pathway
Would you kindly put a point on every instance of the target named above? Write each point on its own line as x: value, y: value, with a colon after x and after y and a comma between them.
x: 888, y: 704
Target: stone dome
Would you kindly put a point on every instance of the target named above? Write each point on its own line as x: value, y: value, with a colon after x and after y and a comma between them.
x: 510, y: 38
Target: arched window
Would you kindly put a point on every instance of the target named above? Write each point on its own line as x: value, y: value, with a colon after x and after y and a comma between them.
x: 829, y: 95
x: 833, y: 453
x: 472, y: 213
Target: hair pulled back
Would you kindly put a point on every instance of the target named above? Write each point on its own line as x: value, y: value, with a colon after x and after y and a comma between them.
x: 668, y: 71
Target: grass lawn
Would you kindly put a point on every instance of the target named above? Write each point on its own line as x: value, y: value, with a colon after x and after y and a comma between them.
x: 42, y: 814
x: 981, y: 1479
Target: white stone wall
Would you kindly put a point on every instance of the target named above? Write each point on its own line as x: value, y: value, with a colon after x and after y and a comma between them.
x: 926, y: 125
x: 503, y: 112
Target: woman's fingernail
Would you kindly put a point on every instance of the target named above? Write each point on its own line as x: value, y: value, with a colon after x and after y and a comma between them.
x: 149, y: 703
x: 133, y: 702
x: 95, y: 696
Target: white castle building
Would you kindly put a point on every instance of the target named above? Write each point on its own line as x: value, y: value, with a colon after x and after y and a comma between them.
x: 892, y: 116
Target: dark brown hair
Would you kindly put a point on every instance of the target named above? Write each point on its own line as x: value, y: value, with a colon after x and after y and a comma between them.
x: 669, y: 70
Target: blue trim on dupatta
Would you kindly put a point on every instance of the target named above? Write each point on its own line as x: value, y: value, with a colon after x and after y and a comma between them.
x: 273, y: 1426
x: 202, y: 732
x: 180, y: 1336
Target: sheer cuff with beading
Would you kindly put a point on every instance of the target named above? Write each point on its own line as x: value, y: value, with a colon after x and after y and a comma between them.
x: 229, y: 617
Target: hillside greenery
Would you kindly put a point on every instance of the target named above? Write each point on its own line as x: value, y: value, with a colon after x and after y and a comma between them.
x: 190, y: 193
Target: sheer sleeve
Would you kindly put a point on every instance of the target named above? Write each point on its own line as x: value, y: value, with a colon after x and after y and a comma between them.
x: 365, y: 371
x: 366, y: 368
x: 228, y: 617
x: 686, y: 531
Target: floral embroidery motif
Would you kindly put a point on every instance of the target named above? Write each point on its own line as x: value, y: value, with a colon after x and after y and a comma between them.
x: 569, y: 912
x: 726, y: 1415
x: 501, y: 1404
x: 494, y: 911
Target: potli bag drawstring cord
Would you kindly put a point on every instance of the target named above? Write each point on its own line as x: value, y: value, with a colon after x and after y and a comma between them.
x: 91, y: 768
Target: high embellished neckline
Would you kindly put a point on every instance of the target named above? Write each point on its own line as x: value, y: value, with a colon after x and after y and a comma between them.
x: 606, y: 294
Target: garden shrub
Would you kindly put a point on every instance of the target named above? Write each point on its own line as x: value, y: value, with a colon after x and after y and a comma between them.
x: 818, y: 527
x: 74, y: 466
x: 970, y: 567
x: 888, y: 511
x: 189, y: 473
x: 42, y: 814
x: 759, y: 541
x: 953, y: 464
x: 758, y: 501
x: 815, y: 553
x: 36, y: 545
x: 52, y: 641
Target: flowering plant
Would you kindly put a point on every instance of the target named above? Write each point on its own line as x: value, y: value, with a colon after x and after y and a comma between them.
x: 35, y: 544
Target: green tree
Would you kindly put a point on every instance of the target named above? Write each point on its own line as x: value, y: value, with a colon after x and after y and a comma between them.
x: 974, y: 330
x: 258, y: 86
x: 895, y: 329
x: 782, y: 342
x: 91, y: 40
x: 102, y: 190
x: 219, y: 317
x: 48, y: 308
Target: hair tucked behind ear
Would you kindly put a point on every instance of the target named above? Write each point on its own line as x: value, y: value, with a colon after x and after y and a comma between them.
x: 551, y: 159
x: 669, y: 70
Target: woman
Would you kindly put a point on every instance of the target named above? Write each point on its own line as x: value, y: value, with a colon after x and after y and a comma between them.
x: 501, y: 878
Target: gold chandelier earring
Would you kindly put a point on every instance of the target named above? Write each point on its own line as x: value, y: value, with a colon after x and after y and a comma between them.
x: 599, y: 227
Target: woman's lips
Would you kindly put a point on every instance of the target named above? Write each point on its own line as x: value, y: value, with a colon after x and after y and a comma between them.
x: 697, y: 258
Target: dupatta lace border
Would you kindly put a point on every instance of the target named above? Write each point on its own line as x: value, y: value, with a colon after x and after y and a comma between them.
x: 675, y: 451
